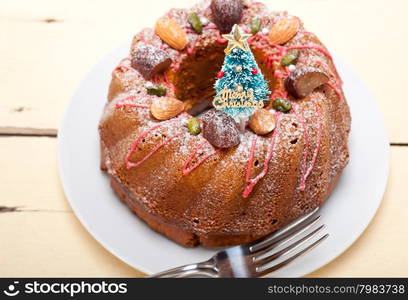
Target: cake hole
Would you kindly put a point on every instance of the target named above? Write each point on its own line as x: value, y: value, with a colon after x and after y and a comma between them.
x: 195, y: 220
x: 144, y: 140
x: 295, y: 125
x: 274, y: 221
x: 256, y: 163
x: 201, y: 84
x: 294, y: 141
x: 243, y: 214
x: 195, y: 78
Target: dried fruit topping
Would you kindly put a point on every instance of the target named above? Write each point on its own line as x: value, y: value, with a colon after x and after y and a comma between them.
x: 220, y: 129
x: 150, y: 60
x: 156, y: 90
x: 283, y: 30
x: 226, y: 13
x: 262, y: 121
x: 220, y: 74
x: 165, y: 108
x: 290, y: 58
x: 194, y: 126
x: 282, y: 105
x: 255, y: 25
x: 301, y: 82
x: 195, y: 22
x: 171, y: 33
x: 254, y: 71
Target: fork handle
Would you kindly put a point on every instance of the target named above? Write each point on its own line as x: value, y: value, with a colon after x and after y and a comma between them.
x: 206, y: 268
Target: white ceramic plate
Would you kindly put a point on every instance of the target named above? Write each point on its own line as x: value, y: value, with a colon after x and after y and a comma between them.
x: 346, y: 214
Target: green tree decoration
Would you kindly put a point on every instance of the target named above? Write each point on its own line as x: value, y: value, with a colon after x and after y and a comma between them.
x: 240, y: 87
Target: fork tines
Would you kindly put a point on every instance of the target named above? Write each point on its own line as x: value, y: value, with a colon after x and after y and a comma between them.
x: 299, y: 235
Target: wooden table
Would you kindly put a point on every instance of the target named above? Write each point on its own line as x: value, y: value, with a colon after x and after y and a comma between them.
x: 47, y: 47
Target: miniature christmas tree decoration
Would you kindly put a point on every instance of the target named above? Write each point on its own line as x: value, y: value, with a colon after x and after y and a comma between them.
x: 241, y: 89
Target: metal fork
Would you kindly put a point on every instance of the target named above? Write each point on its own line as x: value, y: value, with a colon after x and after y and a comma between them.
x: 254, y: 259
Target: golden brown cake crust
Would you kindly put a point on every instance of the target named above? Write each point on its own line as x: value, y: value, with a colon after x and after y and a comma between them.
x: 207, y: 205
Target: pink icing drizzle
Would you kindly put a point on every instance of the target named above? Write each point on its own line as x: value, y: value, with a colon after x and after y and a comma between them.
x: 164, y: 46
x: 299, y: 117
x: 171, y: 13
x: 279, y: 94
x: 188, y: 169
x: 271, y: 57
x: 336, y: 89
x: 250, y: 160
x: 220, y: 39
x: 124, y: 102
x: 175, y: 67
x: 250, y: 183
x: 307, y: 172
x: 142, y: 37
x: 280, y: 51
x: 166, y: 81
x: 134, y: 145
x: 122, y: 67
x: 191, y: 47
x: 210, y: 26
x: 281, y: 74
x: 189, y: 29
x: 169, y: 83
x: 335, y: 86
x: 325, y: 52
x: 246, y: 29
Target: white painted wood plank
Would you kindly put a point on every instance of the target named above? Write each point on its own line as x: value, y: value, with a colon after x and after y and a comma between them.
x: 41, y: 63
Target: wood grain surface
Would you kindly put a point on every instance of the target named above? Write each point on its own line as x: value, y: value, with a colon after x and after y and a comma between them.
x: 47, y: 47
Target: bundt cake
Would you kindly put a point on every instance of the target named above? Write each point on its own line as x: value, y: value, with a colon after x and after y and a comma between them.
x: 184, y: 167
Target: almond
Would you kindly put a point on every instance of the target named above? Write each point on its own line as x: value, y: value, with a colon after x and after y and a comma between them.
x: 262, y: 121
x: 283, y: 30
x: 165, y: 108
x: 171, y: 33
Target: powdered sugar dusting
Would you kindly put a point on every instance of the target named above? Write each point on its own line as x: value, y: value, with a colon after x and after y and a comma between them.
x: 309, y: 144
